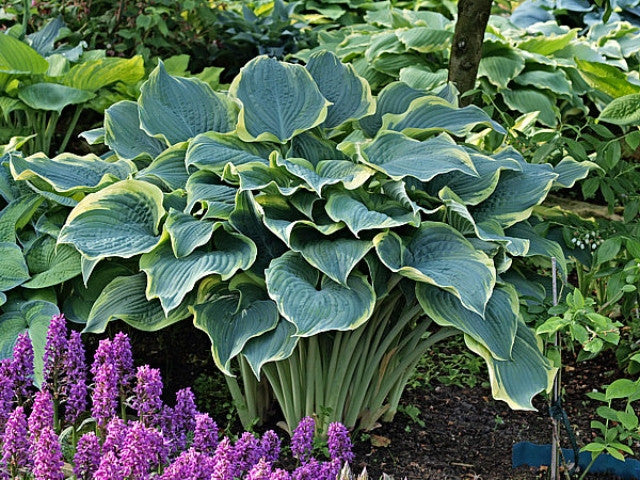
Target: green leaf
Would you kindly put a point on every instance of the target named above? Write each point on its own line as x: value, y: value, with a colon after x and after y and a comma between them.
x: 123, y: 134
x: 207, y: 189
x: 232, y: 320
x: 556, y: 81
x: 51, y: 96
x: 570, y: 171
x: 608, y: 250
x: 18, y: 58
x: 624, y: 110
x: 168, y: 168
x: 539, y: 246
x: 187, y: 232
x: 422, y: 78
x: 546, y: 45
x: 425, y: 39
x: 518, y: 380
x: 349, y: 93
x: 621, y: 388
x: 69, y: 174
x: 50, y: 265
x: 92, y: 75
x: 178, y: 109
x: 315, y: 306
x: 400, y: 156
x: 13, y: 268
x: 526, y: 100
x: 170, y: 279
x: 279, y: 100
x: 439, y: 255
x: 272, y: 346
x: 496, y: 331
x: 33, y: 317
x: 212, y: 151
x: 121, y: 220
x: 16, y: 215
x: 606, y: 78
x: 124, y: 299
x: 434, y: 114
x: 501, y: 66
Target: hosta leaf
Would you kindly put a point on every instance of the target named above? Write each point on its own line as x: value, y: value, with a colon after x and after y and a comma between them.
x: 516, y: 194
x: 315, y: 306
x: 206, y: 188
x: 423, y: 78
x: 556, y: 81
x: 313, y: 148
x: 518, y: 380
x: 622, y: 111
x: 122, y: 132
x: 124, y: 299
x: 539, y: 245
x: 212, y: 151
x: 394, y: 98
x: 434, y: 114
x: 168, y: 168
x: 51, y: 96
x: 501, y: 66
x: 68, y: 174
x: 178, y: 109
x: 475, y: 189
x: 258, y: 176
x: 171, y: 278
x: 18, y: 58
x: 232, y: 320
x: 496, y: 331
x: 279, y: 100
x: 16, y: 215
x: 439, y: 255
x: 360, y: 211
x: 570, y: 171
x: 327, y: 172
x: 13, y: 268
x: 272, y: 346
x: 336, y: 258
x: 425, y: 39
x: 33, y: 317
x: 606, y: 78
x: 349, y: 93
x: 51, y: 265
x: 121, y: 220
x: 546, y: 45
x: 187, y: 232
x: 526, y: 100
x: 92, y: 75
x: 399, y: 156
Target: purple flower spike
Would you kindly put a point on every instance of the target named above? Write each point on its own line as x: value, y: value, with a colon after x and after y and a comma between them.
x: 260, y: 471
x: 6, y: 391
x: 87, y: 458
x: 246, y: 453
x: 47, y: 461
x: 15, y: 447
x: 115, y: 434
x: 76, y: 378
x: 22, y: 365
x: 143, y: 449
x: 302, y: 439
x: 105, y: 377
x: 223, y: 466
x: 190, y: 465
x: 311, y: 470
x: 41, y: 417
x: 183, y: 420
x: 124, y: 360
x: 331, y: 469
x: 109, y: 468
x: 147, y: 395
x: 339, y: 443
x: 205, y: 436
x: 270, y: 446
x: 54, y: 351
x: 280, y: 474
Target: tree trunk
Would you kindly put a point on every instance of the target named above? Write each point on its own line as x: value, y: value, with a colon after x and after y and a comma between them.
x: 466, y: 48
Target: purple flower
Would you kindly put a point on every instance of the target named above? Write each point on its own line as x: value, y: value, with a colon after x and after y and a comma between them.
x: 47, y: 461
x: 41, y: 417
x: 311, y: 470
x: 54, y: 352
x: 143, y: 449
x: 190, y: 465
x: 109, y: 468
x: 270, y: 446
x: 280, y: 474
x: 339, y: 443
x: 22, y: 365
x: 302, y: 439
x: 15, y: 447
x: 121, y: 346
x: 76, y: 377
x: 205, y: 436
x: 105, y: 378
x: 6, y: 391
x: 87, y: 458
x: 116, y: 431
x: 183, y: 420
x: 148, y: 390
x: 260, y: 471
x: 330, y: 469
x: 246, y: 453
x: 223, y: 467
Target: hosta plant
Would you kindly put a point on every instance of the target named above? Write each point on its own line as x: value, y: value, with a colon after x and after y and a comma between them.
x: 322, y: 239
